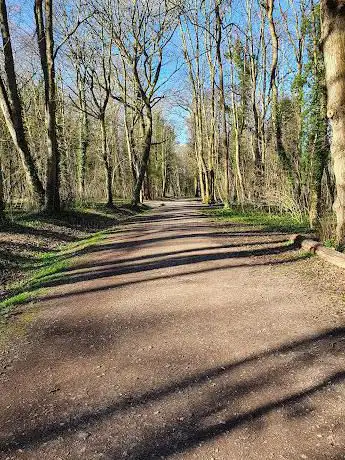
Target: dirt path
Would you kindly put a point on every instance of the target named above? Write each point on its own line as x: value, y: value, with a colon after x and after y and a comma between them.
x: 179, y: 339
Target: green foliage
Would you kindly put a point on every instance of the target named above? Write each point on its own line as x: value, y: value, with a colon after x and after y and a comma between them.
x: 331, y: 243
x: 17, y: 299
x: 269, y: 222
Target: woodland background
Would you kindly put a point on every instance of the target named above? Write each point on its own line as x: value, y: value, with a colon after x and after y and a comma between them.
x: 107, y: 100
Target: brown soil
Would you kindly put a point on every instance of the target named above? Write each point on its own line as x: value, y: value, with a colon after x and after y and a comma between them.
x: 180, y: 338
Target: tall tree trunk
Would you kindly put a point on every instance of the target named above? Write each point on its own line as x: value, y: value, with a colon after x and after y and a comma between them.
x: 258, y: 163
x: 164, y: 167
x: 222, y: 102
x: 322, y: 146
x: 12, y: 107
x: 129, y: 129
x: 237, y: 131
x: 44, y: 29
x: 255, y: 137
x: 276, y: 113
x: 273, y: 76
x: 333, y: 38
x: 145, y: 157
x: 84, y: 138
x: 107, y: 163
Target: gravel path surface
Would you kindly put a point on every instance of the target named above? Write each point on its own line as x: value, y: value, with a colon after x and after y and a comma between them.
x: 179, y: 338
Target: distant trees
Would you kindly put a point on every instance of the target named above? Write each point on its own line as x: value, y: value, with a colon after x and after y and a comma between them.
x: 141, y: 32
x: 99, y: 64
x: 93, y: 63
x: 254, y: 85
x: 258, y: 106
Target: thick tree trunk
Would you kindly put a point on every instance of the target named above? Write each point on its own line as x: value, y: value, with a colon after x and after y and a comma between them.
x: 12, y: 107
x: 204, y: 177
x: 129, y: 129
x: 136, y: 199
x: 322, y: 147
x: 45, y: 38
x: 333, y: 38
x: 53, y: 172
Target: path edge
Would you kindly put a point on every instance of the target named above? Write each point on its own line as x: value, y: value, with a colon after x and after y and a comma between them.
x: 315, y: 247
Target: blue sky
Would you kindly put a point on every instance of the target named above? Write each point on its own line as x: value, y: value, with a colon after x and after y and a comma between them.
x: 176, y: 90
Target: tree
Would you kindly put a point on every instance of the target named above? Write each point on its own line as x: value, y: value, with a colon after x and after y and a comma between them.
x: 141, y: 33
x: 95, y: 74
x: 45, y: 39
x: 333, y: 39
x: 11, y: 107
x: 219, y: 36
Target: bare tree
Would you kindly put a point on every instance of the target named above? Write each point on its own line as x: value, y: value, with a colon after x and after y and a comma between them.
x: 12, y: 107
x: 141, y: 33
x: 94, y: 75
x: 219, y: 37
x: 45, y: 37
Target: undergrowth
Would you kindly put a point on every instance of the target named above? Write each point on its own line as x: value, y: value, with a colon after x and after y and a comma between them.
x: 268, y: 221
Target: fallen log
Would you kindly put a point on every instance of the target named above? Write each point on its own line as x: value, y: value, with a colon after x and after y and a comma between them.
x: 315, y: 247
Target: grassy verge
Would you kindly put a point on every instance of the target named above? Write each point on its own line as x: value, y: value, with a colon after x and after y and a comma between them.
x: 267, y: 221
x: 35, y: 248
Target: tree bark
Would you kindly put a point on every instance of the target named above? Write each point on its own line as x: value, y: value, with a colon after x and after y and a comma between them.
x: 333, y: 39
x: 107, y: 163
x: 321, y: 140
x: 145, y: 158
x: 223, y: 103
x: 12, y: 107
x: 84, y: 137
x: 129, y: 129
x: 44, y: 29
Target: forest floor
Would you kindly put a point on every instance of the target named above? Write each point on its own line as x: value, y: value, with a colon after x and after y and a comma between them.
x: 32, y: 240
x: 179, y: 337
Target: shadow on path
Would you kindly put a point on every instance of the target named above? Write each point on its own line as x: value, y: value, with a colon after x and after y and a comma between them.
x: 232, y: 384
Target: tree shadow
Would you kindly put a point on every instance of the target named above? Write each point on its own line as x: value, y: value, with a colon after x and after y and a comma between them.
x: 186, y: 406
x: 121, y: 284
x: 291, y: 381
x: 134, y: 266
x: 93, y: 265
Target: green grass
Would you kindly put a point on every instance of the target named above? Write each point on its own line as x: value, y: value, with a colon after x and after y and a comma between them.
x: 51, y: 264
x: 48, y: 266
x: 24, y: 297
x: 267, y: 221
